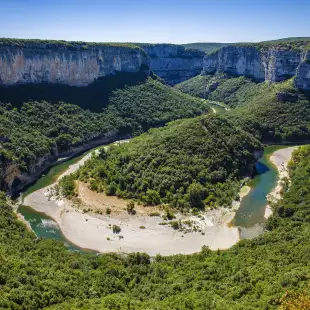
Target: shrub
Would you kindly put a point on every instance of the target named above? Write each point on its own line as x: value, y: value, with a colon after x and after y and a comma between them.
x: 130, y: 207
x: 175, y: 225
x: 169, y: 214
x: 116, y: 229
x: 154, y: 214
x: 67, y: 186
x: 111, y: 189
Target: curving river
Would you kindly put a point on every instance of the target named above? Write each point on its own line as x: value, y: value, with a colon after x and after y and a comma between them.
x: 249, y: 218
x: 41, y: 224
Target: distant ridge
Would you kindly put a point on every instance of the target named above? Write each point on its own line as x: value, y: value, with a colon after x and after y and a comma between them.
x: 205, y: 47
x: 209, y: 47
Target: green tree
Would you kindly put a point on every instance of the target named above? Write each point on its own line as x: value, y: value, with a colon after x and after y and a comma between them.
x: 131, y: 207
x: 197, y: 194
x: 152, y: 197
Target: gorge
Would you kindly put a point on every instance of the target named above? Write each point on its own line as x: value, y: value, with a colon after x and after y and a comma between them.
x: 262, y: 62
x: 81, y: 63
x: 174, y: 214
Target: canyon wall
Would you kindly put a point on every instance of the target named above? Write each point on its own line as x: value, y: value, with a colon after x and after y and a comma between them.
x: 271, y: 64
x: 70, y: 63
x: 81, y: 63
x: 302, y: 79
x: 173, y: 63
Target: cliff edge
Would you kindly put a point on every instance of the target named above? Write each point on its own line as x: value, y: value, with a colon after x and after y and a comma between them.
x: 262, y: 62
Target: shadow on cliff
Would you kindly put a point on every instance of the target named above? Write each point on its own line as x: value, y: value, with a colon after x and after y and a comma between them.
x: 94, y: 97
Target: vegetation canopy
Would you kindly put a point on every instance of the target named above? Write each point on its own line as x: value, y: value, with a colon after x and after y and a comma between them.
x: 254, y: 274
x: 275, y: 112
x: 189, y: 163
x: 38, y: 130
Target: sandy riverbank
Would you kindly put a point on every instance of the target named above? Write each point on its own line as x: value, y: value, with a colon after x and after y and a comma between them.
x: 93, y: 231
x: 280, y: 159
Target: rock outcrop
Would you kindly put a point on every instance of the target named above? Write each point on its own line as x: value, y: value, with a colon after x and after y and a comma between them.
x: 70, y: 63
x: 81, y: 63
x: 302, y: 79
x: 271, y: 64
x: 235, y: 61
x: 173, y: 63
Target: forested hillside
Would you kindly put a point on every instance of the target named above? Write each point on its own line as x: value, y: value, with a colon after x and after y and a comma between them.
x: 254, y: 274
x: 42, y: 129
x: 189, y: 163
x: 272, y: 112
x: 194, y: 163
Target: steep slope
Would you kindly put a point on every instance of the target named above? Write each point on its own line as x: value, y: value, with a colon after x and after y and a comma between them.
x: 273, y: 61
x: 86, y: 73
x: 65, y: 62
x: 35, y: 272
x: 189, y: 163
x: 76, y: 72
x: 33, y: 136
x: 173, y: 63
x: 277, y: 112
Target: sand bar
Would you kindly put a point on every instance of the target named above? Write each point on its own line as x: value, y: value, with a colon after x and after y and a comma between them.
x: 280, y: 159
x: 93, y: 231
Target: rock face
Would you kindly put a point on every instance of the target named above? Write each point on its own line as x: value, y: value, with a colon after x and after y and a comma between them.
x: 174, y: 63
x: 262, y: 64
x: 235, y: 61
x: 79, y: 64
x: 303, y: 73
x: 74, y: 64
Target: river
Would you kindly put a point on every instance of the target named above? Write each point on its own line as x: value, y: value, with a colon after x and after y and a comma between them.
x: 41, y: 224
x: 249, y: 217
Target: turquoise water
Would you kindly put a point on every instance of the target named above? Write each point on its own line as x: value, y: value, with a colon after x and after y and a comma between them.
x: 41, y: 224
x: 252, y: 208
x: 52, y: 174
x: 44, y: 227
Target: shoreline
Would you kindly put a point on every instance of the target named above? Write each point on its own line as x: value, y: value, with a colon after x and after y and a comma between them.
x: 280, y: 159
x: 29, y: 179
x: 93, y: 231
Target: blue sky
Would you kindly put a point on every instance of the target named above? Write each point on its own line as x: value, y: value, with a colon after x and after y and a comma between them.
x: 171, y: 21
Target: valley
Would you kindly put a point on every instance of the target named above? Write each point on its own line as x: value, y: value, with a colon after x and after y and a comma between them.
x: 154, y: 176
x: 94, y: 228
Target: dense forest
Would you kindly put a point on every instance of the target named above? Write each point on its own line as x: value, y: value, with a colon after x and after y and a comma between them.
x: 254, y: 274
x: 40, y: 129
x: 191, y: 159
x: 189, y: 163
x: 275, y: 112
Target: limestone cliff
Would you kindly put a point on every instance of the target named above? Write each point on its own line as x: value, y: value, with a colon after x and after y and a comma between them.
x: 302, y: 79
x: 70, y: 63
x: 271, y: 64
x: 174, y: 63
